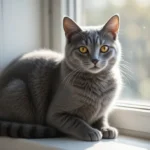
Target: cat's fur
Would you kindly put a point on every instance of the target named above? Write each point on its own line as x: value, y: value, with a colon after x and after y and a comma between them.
x: 43, y: 94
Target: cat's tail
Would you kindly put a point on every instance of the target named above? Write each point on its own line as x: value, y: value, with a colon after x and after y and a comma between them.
x: 20, y: 130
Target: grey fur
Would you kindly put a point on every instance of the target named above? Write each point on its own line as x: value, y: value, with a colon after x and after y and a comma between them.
x: 43, y: 94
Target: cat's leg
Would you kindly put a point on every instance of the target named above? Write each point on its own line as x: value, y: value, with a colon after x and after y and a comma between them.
x: 108, y: 132
x: 15, y: 104
x: 40, y: 90
x: 74, y: 126
x: 17, y: 114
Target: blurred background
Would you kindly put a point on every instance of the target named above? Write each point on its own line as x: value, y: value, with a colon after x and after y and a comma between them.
x: 26, y: 25
x: 134, y: 37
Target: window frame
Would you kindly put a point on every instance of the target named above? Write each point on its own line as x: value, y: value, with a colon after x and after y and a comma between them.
x: 121, y: 113
x: 58, y: 9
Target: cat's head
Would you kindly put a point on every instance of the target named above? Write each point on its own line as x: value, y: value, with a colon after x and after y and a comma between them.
x: 92, y: 49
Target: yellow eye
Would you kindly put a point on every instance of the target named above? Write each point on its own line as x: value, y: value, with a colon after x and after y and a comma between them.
x: 104, y: 48
x: 83, y: 49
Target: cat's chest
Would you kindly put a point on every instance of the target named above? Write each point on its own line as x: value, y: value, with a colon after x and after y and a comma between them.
x: 92, y: 90
x: 95, y: 97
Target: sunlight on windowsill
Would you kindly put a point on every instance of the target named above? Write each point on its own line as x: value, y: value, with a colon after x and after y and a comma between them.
x: 123, y: 142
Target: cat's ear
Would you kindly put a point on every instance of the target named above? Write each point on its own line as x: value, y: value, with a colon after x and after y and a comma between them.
x: 70, y: 27
x: 112, y: 26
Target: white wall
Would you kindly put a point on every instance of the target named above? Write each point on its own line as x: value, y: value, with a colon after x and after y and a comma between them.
x: 20, y: 28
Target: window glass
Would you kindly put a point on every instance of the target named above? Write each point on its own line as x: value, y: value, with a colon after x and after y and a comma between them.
x: 135, y: 39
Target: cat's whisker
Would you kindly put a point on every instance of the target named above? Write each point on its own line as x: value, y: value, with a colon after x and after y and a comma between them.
x: 70, y: 75
x: 65, y: 81
x: 127, y: 73
x: 74, y: 75
x: 125, y: 61
x: 77, y: 74
x: 126, y: 67
x: 69, y: 78
x: 125, y: 77
x: 126, y: 70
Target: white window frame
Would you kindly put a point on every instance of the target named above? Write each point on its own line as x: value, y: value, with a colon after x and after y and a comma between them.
x: 59, y: 9
x: 129, y: 119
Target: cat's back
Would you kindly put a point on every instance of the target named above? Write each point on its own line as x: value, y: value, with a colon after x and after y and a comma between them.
x: 40, y: 55
x: 26, y: 64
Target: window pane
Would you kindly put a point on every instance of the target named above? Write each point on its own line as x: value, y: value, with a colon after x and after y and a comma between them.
x: 135, y: 39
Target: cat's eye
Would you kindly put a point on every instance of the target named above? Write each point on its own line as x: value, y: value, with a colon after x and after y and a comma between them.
x: 83, y: 49
x: 104, y: 49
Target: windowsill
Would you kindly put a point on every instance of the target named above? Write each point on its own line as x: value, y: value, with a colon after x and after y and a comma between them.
x: 131, y: 121
x: 123, y: 142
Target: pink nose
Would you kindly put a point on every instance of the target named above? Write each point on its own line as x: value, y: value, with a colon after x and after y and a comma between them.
x: 95, y: 61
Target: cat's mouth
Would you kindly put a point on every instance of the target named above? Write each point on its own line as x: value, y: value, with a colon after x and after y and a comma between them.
x: 94, y: 68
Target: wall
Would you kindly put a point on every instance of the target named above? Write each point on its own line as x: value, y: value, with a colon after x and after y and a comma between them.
x: 20, y: 28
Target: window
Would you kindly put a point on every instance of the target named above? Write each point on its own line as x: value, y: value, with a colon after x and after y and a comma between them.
x: 132, y: 113
x: 134, y: 36
x: 36, y: 27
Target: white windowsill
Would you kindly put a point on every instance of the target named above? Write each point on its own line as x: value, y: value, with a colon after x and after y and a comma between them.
x: 132, y: 121
x: 122, y: 143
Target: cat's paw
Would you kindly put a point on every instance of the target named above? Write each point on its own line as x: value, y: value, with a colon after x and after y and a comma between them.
x: 109, y: 132
x: 92, y: 135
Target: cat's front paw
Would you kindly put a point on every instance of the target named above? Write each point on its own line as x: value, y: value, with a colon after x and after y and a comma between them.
x: 109, y: 132
x: 92, y: 135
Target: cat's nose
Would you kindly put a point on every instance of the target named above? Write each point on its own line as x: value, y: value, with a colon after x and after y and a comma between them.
x: 95, y: 61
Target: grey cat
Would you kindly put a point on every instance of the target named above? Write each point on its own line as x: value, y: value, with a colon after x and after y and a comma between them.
x: 45, y: 94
